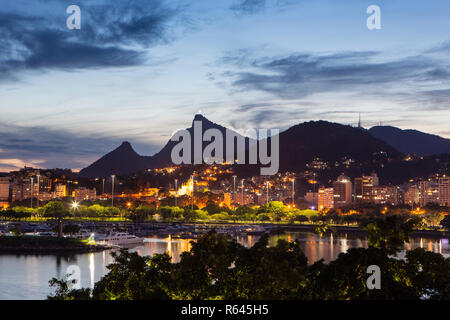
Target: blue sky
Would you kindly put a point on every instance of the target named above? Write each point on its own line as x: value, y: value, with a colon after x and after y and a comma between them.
x: 138, y: 70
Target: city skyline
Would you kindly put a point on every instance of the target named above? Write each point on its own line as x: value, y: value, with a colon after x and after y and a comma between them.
x: 138, y: 73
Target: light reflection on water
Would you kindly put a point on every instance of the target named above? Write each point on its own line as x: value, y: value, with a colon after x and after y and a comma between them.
x: 27, y: 276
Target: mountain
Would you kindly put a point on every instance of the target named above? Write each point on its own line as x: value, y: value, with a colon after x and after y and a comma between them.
x: 331, y: 142
x: 299, y: 145
x: 121, y: 161
x: 163, y: 158
x: 125, y: 161
x: 412, y: 141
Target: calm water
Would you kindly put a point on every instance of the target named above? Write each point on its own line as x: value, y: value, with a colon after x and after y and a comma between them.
x: 27, y: 276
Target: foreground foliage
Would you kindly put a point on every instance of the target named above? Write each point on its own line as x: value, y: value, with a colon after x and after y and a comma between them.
x: 217, y: 267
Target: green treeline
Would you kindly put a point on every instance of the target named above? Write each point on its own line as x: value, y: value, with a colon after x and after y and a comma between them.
x: 274, y: 211
x: 217, y: 267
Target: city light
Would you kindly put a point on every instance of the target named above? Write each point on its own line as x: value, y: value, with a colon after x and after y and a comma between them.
x: 74, y: 205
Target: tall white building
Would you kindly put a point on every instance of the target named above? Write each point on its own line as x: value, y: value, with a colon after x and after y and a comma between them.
x: 326, y: 198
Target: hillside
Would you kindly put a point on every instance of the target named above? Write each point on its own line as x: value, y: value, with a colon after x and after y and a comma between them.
x: 412, y: 141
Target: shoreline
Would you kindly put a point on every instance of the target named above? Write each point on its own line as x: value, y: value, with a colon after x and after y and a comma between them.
x: 47, y: 251
x: 274, y: 226
x: 46, y: 246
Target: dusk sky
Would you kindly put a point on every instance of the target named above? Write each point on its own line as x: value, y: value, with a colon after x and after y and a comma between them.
x: 138, y: 70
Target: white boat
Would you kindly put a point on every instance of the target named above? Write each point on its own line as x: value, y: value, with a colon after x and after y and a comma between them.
x: 118, y: 239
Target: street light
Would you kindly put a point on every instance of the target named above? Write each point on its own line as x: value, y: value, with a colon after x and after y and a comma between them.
x: 176, y: 191
x: 242, y: 198
x: 74, y: 206
x: 112, y: 190
x: 234, y: 194
x: 193, y: 190
x: 293, y: 188
x: 31, y: 192
x: 129, y: 204
x: 39, y: 185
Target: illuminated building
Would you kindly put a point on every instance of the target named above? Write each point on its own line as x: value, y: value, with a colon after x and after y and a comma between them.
x: 84, y: 194
x: 17, y: 190
x: 60, y: 191
x: 342, y: 191
x: 444, y: 191
x: 249, y: 198
x: 21, y: 189
x: 187, y: 188
x: 363, y: 187
x: 227, y: 199
x: 412, y: 195
x: 428, y: 193
x: 325, y: 198
x: 201, y: 185
x: 4, y: 191
x: 45, y: 183
x: 44, y: 196
x: 385, y: 195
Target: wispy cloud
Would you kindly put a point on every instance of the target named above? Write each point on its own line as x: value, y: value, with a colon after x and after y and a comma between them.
x: 248, y: 6
x: 7, y: 165
x: 301, y: 75
x: 110, y: 36
x: 28, y: 145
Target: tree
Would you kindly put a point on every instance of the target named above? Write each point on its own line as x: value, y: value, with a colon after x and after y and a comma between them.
x: 217, y: 267
x: 171, y: 213
x: 433, y: 218
x: 246, y: 213
x: 132, y: 277
x: 446, y: 222
x: 56, y: 209
x: 429, y: 273
x: 142, y: 213
x: 321, y: 228
x: 64, y: 292
x: 276, y: 210
x: 220, y: 216
x: 95, y: 210
x: 274, y: 273
x: 203, y: 272
x: 213, y: 208
x: 390, y: 233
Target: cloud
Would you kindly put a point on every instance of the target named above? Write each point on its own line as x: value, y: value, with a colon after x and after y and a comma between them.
x: 110, y: 36
x: 7, y: 165
x: 335, y: 86
x: 252, y: 106
x: 364, y: 74
x: 248, y: 6
x: 49, y: 148
x: 273, y: 114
